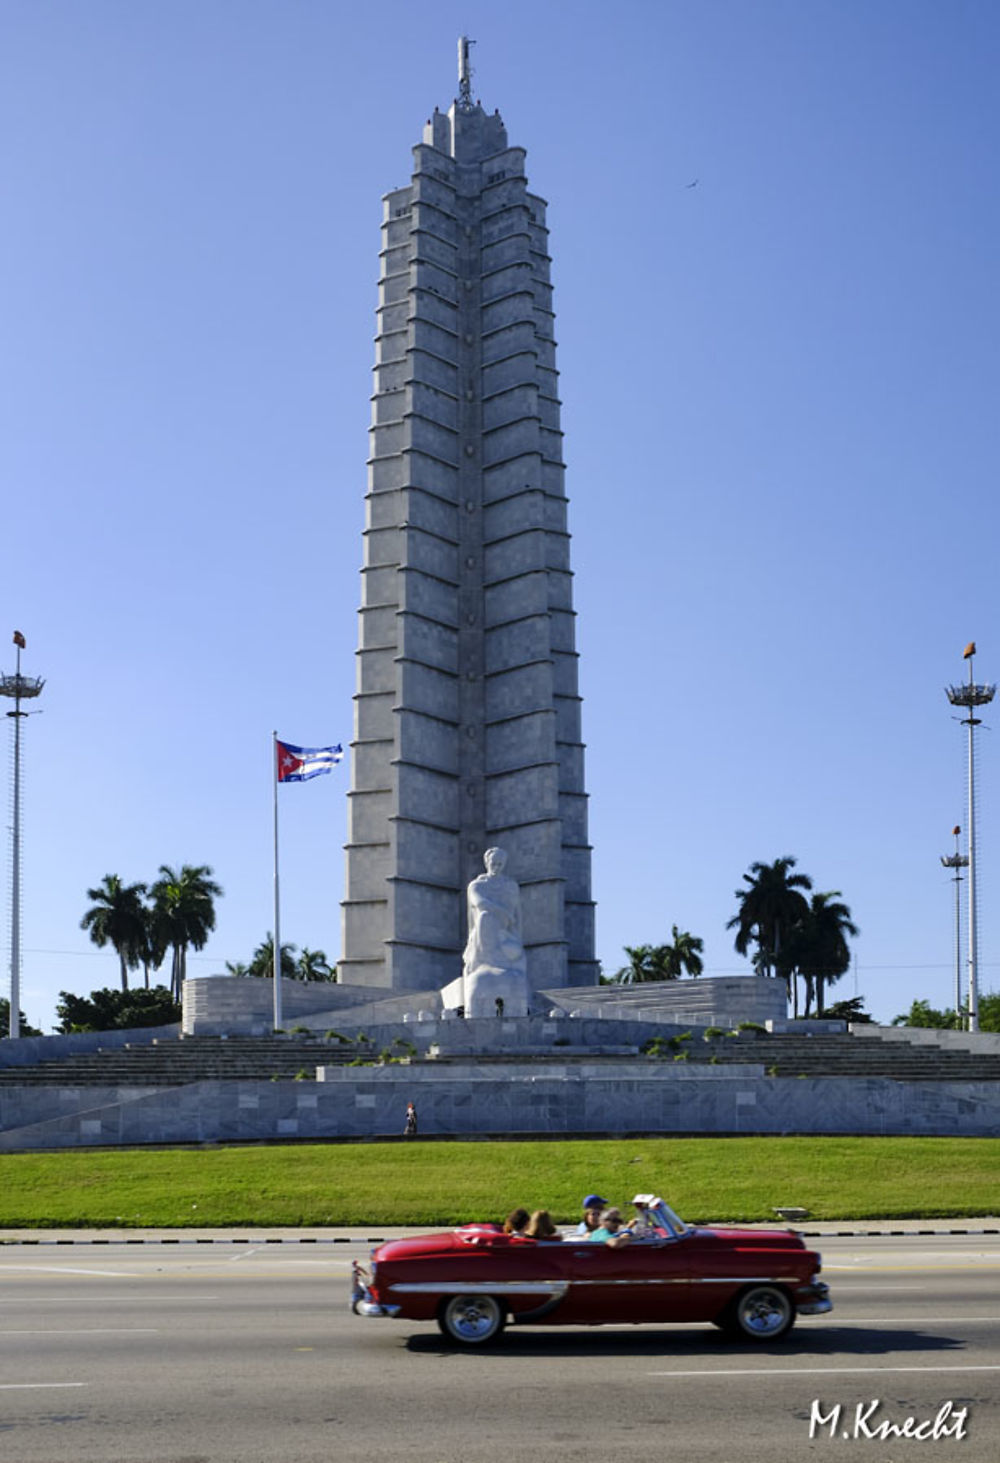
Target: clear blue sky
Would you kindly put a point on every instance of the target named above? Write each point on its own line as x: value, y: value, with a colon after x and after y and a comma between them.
x: 780, y: 404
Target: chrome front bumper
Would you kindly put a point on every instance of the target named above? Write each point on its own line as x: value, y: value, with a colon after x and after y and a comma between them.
x: 814, y: 1300
x: 363, y: 1303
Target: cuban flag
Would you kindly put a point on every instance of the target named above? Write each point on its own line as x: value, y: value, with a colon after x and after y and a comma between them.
x: 298, y: 764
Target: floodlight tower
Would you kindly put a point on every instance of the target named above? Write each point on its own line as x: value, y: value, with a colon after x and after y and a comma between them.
x: 957, y: 861
x: 971, y: 696
x: 19, y: 688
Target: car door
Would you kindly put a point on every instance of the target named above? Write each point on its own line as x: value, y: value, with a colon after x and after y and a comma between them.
x: 644, y: 1281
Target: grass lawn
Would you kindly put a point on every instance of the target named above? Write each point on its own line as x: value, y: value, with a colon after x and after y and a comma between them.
x: 706, y: 1179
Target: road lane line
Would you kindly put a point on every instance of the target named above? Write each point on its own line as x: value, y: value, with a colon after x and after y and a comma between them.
x: 109, y: 1300
x: 37, y: 1386
x: 972, y: 1263
x: 85, y: 1331
x: 820, y: 1371
x: 899, y: 1321
x: 75, y: 1270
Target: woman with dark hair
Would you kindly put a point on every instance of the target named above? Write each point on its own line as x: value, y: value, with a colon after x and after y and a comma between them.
x: 516, y: 1221
x: 540, y: 1226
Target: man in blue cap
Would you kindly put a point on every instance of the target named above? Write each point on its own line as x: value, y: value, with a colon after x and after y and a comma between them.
x: 593, y: 1206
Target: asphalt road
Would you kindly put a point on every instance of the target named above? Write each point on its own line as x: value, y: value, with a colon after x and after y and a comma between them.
x: 241, y: 1352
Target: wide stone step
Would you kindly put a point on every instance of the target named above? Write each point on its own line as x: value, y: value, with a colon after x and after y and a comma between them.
x: 179, y: 1060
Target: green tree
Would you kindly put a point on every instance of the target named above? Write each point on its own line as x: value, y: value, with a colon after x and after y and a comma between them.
x: 313, y: 965
x: 183, y: 915
x: 119, y: 918
x: 262, y: 960
x: 852, y: 1009
x: 641, y: 965
x: 683, y: 954
x: 662, y: 962
x: 989, y: 1011
x: 769, y: 907
x: 108, y: 1010
x: 922, y: 1013
x: 146, y: 949
x: 237, y: 967
x: 25, y: 1029
x: 817, y: 947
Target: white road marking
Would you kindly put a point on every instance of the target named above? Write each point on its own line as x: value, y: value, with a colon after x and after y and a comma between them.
x: 89, y: 1298
x: 899, y: 1321
x: 75, y: 1270
x: 37, y: 1386
x: 284, y: 1264
x: 843, y: 1289
x: 86, y: 1331
x: 821, y: 1371
x: 963, y: 1261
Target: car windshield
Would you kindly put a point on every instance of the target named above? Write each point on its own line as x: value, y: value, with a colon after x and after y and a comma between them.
x: 660, y: 1215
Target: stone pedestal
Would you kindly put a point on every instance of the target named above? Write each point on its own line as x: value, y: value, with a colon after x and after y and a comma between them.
x: 486, y: 986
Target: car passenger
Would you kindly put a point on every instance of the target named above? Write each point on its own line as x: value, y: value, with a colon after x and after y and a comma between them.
x: 516, y: 1221
x: 540, y: 1226
x: 611, y: 1231
x: 593, y: 1205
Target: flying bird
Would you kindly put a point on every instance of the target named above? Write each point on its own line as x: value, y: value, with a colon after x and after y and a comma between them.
x: 692, y: 185
x: 970, y: 649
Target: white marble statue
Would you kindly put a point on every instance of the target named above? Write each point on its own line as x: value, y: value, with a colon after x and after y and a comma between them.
x: 495, y: 966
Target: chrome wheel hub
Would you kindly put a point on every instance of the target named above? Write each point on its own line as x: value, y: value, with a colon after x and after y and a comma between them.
x: 764, y: 1312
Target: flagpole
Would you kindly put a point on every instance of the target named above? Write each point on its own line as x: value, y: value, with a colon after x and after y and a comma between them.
x: 14, y: 1010
x: 277, y: 901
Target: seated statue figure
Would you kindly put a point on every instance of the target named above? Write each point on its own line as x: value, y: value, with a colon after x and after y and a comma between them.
x: 495, y: 965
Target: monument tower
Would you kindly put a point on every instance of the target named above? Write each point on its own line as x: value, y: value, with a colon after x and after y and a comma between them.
x: 467, y: 714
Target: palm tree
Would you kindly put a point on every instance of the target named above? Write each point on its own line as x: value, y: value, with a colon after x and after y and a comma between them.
x: 818, y: 945
x: 183, y: 915
x: 640, y: 965
x: 146, y: 949
x: 662, y: 962
x: 118, y: 918
x: 313, y: 965
x: 769, y: 908
x: 683, y: 954
x: 262, y: 959
x: 237, y: 967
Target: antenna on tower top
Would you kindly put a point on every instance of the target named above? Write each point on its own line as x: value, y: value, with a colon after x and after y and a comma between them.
x: 464, y: 73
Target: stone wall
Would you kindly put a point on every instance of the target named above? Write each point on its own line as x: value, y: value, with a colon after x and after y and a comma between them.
x: 28, y: 1051
x: 981, y: 1041
x: 233, y: 1005
x: 221, y: 1005
x: 718, y: 1000
x: 499, y: 1099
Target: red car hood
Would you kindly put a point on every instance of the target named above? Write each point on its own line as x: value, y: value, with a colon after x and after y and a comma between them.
x: 415, y: 1245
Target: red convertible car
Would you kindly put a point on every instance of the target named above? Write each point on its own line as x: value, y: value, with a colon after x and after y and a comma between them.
x: 475, y: 1279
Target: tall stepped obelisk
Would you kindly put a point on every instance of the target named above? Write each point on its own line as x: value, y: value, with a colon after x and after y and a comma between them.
x: 467, y: 714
